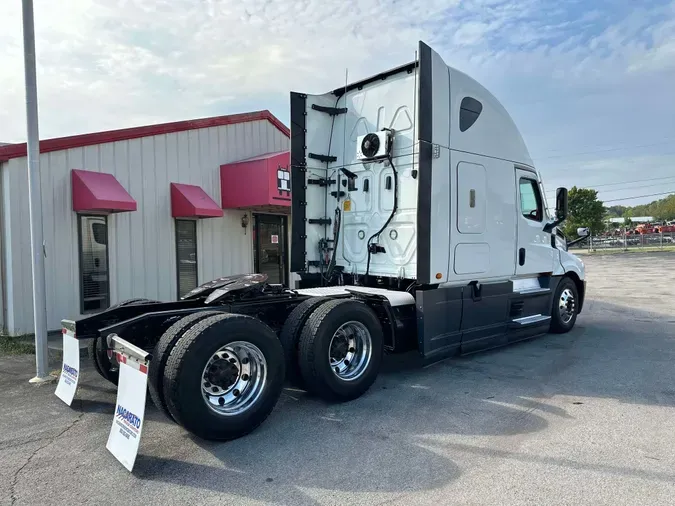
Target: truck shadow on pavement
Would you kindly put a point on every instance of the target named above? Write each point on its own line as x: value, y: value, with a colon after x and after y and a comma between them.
x: 409, y: 432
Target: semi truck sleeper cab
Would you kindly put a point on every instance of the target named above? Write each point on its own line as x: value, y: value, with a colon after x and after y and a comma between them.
x: 418, y: 222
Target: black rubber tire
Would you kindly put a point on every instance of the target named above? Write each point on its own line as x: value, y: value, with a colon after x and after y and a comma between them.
x: 91, y: 350
x: 182, y: 381
x: 557, y: 325
x: 160, y: 355
x: 98, y: 348
x: 98, y: 351
x: 314, y: 348
x: 290, y: 337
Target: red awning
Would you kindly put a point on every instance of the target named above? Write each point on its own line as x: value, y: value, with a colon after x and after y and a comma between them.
x: 100, y: 192
x: 189, y: 201
x: 262, y: 183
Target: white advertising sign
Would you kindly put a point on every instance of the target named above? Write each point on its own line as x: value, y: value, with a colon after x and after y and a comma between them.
x: 125, y: 433
x: 70, y: 370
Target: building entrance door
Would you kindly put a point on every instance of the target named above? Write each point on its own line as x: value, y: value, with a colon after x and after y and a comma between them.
x: 270, y: 248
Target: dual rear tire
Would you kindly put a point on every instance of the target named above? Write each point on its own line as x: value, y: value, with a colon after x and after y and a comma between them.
x: 220, y: 375
x: 333, y: 347
x: 217, y: 374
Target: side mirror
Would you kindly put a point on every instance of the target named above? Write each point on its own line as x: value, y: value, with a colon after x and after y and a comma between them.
x: 560, y: 210
x: 561, y: 206
x: 582, y: 231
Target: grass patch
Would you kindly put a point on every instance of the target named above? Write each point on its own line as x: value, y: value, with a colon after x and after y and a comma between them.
x: 616, y: 251
x: 16, y: 345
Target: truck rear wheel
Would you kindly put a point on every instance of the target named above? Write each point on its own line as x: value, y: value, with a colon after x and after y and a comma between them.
x: 99, y: 353
x: 290, y: 337
x: 224, y: 376
x: 160, y: 355
x: 565, y: 303
x: 341, y: 348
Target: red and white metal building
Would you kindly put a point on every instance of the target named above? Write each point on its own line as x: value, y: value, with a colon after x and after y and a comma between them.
x: 145, y: 212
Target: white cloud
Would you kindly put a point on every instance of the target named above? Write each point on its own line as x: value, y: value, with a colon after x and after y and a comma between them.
x: 571, y: 76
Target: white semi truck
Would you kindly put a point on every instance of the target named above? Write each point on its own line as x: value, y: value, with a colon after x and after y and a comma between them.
x: 418, y: 222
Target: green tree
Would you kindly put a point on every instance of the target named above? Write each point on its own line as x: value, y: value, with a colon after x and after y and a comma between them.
x: 662, y: 209
x: 585, y: 210
x: 615, y: 211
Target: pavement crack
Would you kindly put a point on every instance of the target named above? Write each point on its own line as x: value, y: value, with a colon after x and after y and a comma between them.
x: 49, y: 441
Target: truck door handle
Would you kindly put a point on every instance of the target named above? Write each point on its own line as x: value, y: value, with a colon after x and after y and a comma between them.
x: 521, y: 256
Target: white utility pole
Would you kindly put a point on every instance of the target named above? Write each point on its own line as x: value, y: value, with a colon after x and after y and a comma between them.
x: 35, y: 197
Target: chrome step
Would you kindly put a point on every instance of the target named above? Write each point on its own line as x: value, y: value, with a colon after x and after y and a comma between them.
x: 530, y: 320
x: 534, y: 291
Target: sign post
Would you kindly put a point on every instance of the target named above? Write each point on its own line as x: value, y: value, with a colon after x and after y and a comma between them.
x: 35, y: 198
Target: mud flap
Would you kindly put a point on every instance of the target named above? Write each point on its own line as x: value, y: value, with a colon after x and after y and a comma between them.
x: 70, y: 369
x: 125, y: 434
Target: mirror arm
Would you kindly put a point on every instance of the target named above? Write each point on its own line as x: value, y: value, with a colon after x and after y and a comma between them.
x: 572, y: 243
x: 548, y: 228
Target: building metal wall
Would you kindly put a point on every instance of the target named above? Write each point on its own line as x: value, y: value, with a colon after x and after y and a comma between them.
x: 142, y: 252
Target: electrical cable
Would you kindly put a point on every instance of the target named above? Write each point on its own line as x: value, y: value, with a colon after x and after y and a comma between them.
x: 618, y: 148
x: 391, y: 216
x: 336, y: 235
x: 666, y: 139
x: 622, y: 182
x: 325, y: 209
x: 641, y: 196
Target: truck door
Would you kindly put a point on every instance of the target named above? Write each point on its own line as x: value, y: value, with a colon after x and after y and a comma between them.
x: 534, y: 254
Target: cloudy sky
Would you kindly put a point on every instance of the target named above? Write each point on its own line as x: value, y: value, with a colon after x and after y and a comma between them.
x: 590, y: 83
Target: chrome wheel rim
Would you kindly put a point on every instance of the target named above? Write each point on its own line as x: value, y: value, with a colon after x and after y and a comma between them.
x: 566, y: 305
x: 350, y: 350
x: 234, y: 378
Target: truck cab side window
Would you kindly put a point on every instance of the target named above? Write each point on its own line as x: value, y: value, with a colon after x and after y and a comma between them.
x: 469, y: 110
x: 93, y: 253
x: 530, y: 200
x: 186, y: 255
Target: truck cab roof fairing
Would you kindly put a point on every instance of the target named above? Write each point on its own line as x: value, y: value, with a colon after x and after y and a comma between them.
x: 494, y: 133
x: 421, y: 102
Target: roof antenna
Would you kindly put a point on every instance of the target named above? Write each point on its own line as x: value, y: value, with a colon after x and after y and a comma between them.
x: 344, y: 126
x: 413, y: 173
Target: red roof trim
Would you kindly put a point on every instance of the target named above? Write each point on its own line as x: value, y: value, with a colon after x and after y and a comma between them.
x: 77, y: 141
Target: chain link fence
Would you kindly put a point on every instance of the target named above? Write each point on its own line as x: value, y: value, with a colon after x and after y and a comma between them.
x: 627, y: 242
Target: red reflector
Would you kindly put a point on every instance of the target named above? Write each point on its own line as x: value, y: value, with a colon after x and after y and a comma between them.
x: 143, y: 368
x: 63, y: 331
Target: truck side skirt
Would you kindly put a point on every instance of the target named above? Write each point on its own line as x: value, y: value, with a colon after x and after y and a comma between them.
x: 458, y: 320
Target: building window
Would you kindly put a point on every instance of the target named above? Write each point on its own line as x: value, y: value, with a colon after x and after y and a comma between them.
x: 93, y: 251
x: 469, y: 110
x: 186, y: 255
x: 530, y: 200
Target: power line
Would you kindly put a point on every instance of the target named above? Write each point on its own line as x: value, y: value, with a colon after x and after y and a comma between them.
x: 567, y: 155
x: 641, y: 196
x: 603, y: 146
x: 635, y: 187
x: 623, y: 182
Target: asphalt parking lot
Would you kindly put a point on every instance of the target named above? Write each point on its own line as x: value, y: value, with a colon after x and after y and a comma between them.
x: 582, y: 418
